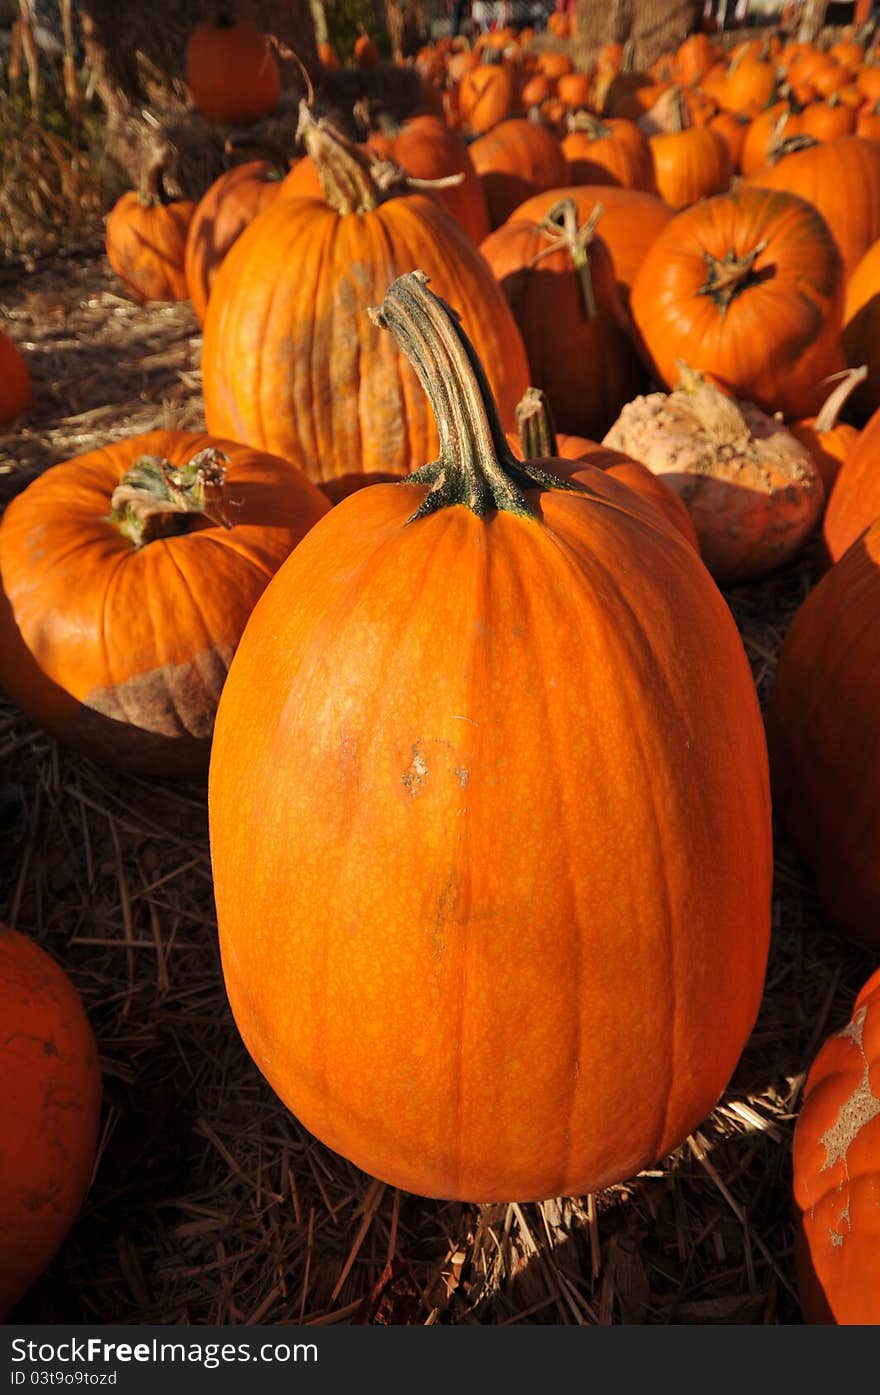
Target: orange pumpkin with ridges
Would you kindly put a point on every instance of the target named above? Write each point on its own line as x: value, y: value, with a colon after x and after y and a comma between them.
x: 372, y: 948
x: 220, y: 217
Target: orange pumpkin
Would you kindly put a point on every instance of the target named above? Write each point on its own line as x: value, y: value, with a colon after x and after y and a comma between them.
x: 559, y: 281
x: 574, y: 89
x: 861, y: 328
x: 855, y: 498
x: 836, y: 1178
x: 868, y: 122
x: 220, y: 217
x: 733, y: 131
x: 750, y: 86
x: 16, y: 388
x: 50, y: 1098
x: 231, y: 71
x: 327, y: 56
x: 608, y: 152
x: 829, y: 441
x: 515, y: 160
x: 360, y: 936
x: 366, y: 54
x: 825, y: 741
x: 631, y: 221
x: 426, y: 148
x: 151, y: 553
x: 694, y: 58
x: 690, y: 165
x: 828, y: 120
x: 841, y: 178
x: 486, y: 96
x: 766, y: 134
x: 285, y: 366
x: 145, y: 238
x: 747, y: 288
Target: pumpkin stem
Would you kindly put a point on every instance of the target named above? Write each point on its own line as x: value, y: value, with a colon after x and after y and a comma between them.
x: 729, y: 275
x: 717, y: 413
x: 534, y: 422
x: 831, y: 408
x: 353, y: 178
x: 476, y: 466
x: 560, y: 226
x: 152, y: 191
x: 155, y: 499
x: 588, y: 122
x: 789, y: 147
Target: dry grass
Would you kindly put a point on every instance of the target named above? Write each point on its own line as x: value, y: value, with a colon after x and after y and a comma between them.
x: 210, y: 1203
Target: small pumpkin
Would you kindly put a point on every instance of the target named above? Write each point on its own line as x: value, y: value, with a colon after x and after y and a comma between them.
x: 836, y: 1176
x: 231, y: 71
x: 16, y: 387
x: 855, y: 498
x: 690, y: 164
x: 516, y: 159
x: 50, y: 1099
x: 486, y: 96
x: 460, y: 880
x: 608, y: 152
x: 128, y: 575
x: 145, y: 238
x: 426, y: 148
x: 752, y: 490
x: 831, y: 442
x: 365, y: 52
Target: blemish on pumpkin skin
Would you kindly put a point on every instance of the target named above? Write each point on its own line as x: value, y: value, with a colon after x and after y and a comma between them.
x: 416, y: 773
x: 857, y: 1111
x: 463, y: 775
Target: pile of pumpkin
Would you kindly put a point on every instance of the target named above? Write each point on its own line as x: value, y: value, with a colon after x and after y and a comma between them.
x: 469, y: 686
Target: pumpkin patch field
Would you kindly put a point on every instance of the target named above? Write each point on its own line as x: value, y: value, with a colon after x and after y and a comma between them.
x: 438, y: 732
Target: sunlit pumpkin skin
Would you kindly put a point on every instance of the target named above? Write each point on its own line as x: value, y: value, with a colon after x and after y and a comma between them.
x: 515, y: 160
x: 868, y: 122
x: 574, y: 89
x: 841, y: 178
x: 824, y: 738
x: 631, y: 221
x: 836, y: 1177
x: 372, y: 948
x: 750, y: 86
x: 733, y: 130
x: 145, y: 240
x: 559, y: 281
x: 289, y: 364
x: 694, y: 58
x: 747, y: 288
x: 16, y: 387
x: 50, y: 1099
x: 766, y: 133
x: 690, y: 165
x: 220, y: 217
x: 861, y: 328
x: 608, y: 152
x: 425, y: 147
x: 121, y: 650
x: 231, y: 71
x: 855, y: 498
x: 486, y: 96
x: 828, y: 120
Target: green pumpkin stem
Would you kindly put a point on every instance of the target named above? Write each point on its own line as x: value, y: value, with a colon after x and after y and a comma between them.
x: 534, y: 422
x: 476, y: 466
x: 155, y: 499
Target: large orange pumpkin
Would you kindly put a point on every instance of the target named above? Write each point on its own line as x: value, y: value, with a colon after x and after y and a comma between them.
x: 747, y: 288
x: 426, y: 148
x: 231, y: 71
x: 287, y: 365
x: 825, y: 738
x: 836, y: 1173
x: 221, y: 216
x: 50, y: 1097
x: 16, y: 388
x: 128, y: 575
x: 451, y: 680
